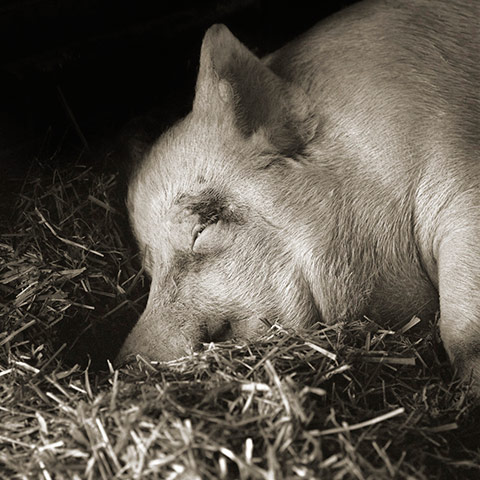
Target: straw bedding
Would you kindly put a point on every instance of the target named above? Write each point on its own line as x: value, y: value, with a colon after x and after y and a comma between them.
x: 339, y: 402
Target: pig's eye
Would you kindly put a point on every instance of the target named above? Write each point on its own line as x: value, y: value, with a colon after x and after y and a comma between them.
x: 196, y: 233
x: 198, y: 229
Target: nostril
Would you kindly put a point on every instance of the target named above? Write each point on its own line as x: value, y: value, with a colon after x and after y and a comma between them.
x: 218, y: 330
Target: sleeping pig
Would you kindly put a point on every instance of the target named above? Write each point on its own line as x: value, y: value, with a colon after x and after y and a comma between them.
x: 336, y: 177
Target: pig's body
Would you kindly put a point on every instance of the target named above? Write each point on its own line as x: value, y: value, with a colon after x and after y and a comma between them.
x: 337, y: 177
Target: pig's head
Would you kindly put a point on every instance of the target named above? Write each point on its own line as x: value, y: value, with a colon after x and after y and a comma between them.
x: 215, y: 207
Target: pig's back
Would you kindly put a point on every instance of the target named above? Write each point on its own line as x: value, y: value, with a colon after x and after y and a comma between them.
x: 395, y: 86
x: 392, y: 78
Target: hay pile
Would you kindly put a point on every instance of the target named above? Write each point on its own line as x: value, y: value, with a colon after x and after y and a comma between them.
x: 355, y: 402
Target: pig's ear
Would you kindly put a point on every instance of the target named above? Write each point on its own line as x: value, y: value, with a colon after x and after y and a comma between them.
x: 233, y: 82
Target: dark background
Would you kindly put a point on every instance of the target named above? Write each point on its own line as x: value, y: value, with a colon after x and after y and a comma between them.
x: 74, y: 72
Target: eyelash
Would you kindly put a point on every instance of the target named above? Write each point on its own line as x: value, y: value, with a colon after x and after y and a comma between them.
x: 196, y: 233
x: 198, y: 229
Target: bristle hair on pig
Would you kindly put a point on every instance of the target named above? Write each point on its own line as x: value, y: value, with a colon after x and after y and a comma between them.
x: 334, y: 178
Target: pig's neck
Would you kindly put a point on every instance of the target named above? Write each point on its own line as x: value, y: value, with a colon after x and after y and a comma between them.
x: 359, y: 243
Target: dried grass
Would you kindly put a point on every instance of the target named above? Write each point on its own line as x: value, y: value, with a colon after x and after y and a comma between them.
x: 331, y: 402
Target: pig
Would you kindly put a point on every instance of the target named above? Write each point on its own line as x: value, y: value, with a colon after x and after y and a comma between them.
x: 334, y: 178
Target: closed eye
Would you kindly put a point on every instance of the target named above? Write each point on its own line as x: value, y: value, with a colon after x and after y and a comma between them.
x: 198, y: 229
x: 196, y: 233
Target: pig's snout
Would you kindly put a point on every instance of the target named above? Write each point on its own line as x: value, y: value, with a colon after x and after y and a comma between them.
x: 153, y: 341
x: 161, y: 337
